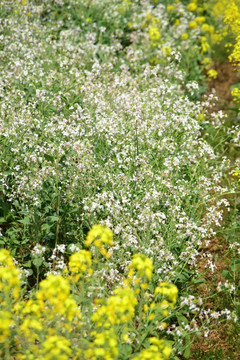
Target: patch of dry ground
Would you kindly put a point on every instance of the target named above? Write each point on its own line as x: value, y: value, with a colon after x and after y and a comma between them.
x: 223, y: 342
x: 227, y: 77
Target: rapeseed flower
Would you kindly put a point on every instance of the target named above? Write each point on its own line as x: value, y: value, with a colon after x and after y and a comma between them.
x: 142, y: 265
x: 169, y: 290
x: 204, y: 45
x: 212, y: 73
x: 119, y: 308
x: 80, y: 262
x: 5, y: 325
x: 99, y: 235
x: 104, y: 345
x: 154, y: 33
x: 184, y: 36
x: 192, y: 6
x: 9, y: 276
x: 158, y: 350
x: 193, y: 25
x: 57, y: 347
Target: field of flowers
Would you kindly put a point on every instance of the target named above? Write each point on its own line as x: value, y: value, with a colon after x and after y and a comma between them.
x: 117, y: 177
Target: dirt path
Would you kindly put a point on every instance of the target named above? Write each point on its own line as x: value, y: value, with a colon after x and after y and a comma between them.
x: 227, y: 77
x: 222, y: 342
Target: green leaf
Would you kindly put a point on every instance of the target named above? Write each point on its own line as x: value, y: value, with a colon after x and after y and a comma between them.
x: 187, y: 351
x: 28, y: 264
x: 25, y: 221
x: 49, y: 158
x: 54, y: 218
x: 182, y: 319
x: 46, y: 227
x: 235, y: 265
x: 235, y: 86
x: 37, y: 262
x: 2, y: 138
x: 199, y: 281
x: 227, y: 274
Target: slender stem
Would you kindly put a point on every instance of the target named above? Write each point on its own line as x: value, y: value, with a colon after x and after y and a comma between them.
x: 57, y: 205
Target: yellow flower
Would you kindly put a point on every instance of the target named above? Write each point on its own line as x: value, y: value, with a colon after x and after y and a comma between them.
x: 206, y: 61
x: 154, y: 33
x: 200, y: 19
x: 119, y: 308
x: 143, y: 266
x: 167, y: 50
x: 170, y: 8
x: 204, y: 45
x: 191, y: 7
x: 104, y: 345
x: 145, y: 307
x: 192, y: 25
x: 99, y: 235
x: 169, y: 290
x: 151, y: 317
x: 177, y: 22
x: 184, y: 36
x: 201, y: 117
x: 207, y: 28
x: 235, y: 93
x: 167, y: 351
x: 158, y: 350
x: 29, y: 327
x: 80, y: 262
x: 212, y: 73
x: 9, y: 276
x: 5, y: 325
x: 57, y: 347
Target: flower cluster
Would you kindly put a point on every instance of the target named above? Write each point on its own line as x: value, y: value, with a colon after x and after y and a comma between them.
x: 42, y: 326
x: 101, y: 124
x: 158, y: 350
x: 80, y: 262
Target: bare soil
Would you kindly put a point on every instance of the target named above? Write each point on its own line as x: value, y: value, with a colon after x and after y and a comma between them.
x: 223, y: 342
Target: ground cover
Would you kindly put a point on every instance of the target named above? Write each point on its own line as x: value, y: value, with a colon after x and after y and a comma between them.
x: 119, y: 181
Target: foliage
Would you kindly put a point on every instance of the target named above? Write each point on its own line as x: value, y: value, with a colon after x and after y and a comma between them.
x: 50, y: 325
x: 103, y: 132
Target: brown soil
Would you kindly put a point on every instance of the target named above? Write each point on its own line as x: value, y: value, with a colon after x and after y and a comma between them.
x: 227, y: 77
x: 222, y: 339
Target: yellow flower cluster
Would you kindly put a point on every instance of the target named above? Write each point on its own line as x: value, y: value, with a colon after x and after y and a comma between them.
x: 154, y: 33
x: 168, y: 290
x: 119, y: 308
x: 158, y: 350
x: 80, y: 263
x: 5, y: 324
x: 53, y: 304
x: 232, y: 20
x: 235, y: 94
x: 192, y: 6
x: 49, y: 325
x: 99, y: 236
x: 9, y: 276
x: 142, y: 266
x: 236, y: 174
x: 212, y: 73
x: 56, y: 347
x: 9, y: 292
x: 104, y: 346
x: 229, y: 11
